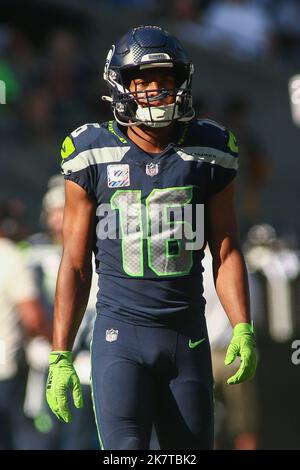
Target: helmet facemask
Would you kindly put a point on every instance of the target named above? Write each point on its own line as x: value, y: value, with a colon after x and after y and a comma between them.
x: 135, y: 108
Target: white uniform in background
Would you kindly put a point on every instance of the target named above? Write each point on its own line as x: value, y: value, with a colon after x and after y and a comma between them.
x: 16, y: 286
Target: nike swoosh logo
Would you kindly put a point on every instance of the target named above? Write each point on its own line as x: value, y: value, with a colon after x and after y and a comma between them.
x: 194, y: 344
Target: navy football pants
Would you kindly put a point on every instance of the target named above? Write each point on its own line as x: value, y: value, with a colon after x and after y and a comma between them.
x: 151, y: 375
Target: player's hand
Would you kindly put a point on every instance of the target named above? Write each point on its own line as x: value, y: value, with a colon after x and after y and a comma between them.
x: 242, y: 344
x: 61, y: 378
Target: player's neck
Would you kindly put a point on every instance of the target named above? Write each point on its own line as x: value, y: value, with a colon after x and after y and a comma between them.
x: 152, y: 140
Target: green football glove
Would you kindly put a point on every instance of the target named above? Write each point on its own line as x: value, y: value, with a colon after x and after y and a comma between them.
x: 62, y: 377
x: 242, y: 344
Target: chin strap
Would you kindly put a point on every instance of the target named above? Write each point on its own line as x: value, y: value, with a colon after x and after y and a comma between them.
x: 152, y: 123
x: 125, y: 124
x: 161, y: 116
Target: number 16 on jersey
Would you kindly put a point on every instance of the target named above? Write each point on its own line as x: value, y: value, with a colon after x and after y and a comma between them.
x: 168, y: 223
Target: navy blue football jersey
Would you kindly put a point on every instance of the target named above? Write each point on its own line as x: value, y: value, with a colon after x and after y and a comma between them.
x: 150, y: 225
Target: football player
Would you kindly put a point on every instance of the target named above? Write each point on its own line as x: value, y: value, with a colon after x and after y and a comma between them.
x: 146, y: 192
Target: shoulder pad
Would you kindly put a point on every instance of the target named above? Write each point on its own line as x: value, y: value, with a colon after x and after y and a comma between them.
x: 85, y: 135
x: 212, y: 123
x: 223, y: 138
x: 80, y: 139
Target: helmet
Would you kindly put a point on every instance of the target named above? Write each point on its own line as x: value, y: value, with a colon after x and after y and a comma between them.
x: 141, y: 48
x: 55, y: 195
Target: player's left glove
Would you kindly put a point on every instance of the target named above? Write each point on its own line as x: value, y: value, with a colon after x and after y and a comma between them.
x: 242, y: 344
x: 62, y: 378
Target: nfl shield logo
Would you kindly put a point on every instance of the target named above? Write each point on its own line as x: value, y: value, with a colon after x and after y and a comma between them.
x: 111, y: 335
x: 151, y: 169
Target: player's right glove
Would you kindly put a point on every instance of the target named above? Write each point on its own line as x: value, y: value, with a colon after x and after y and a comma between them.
x: 61, y: 378
x: 242, y: 344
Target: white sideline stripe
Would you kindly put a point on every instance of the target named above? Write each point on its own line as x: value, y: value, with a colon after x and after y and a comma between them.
x: 94, y: 156
x: 209, y: 155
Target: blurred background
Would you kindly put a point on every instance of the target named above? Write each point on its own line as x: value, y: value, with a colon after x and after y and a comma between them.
x: 52, y: 55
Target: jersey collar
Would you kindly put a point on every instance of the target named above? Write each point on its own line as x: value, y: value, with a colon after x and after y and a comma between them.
x: 122, y: 137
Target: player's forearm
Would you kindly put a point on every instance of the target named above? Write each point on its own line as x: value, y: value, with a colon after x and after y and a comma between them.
x: 231, y: 282
x: 72, y: 293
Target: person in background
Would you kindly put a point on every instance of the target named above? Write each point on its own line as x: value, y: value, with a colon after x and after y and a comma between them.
x: 255, y: 167
x: 21, y: 316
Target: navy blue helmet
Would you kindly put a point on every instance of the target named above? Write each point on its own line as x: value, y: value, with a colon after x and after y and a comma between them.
x: 142, y: 48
